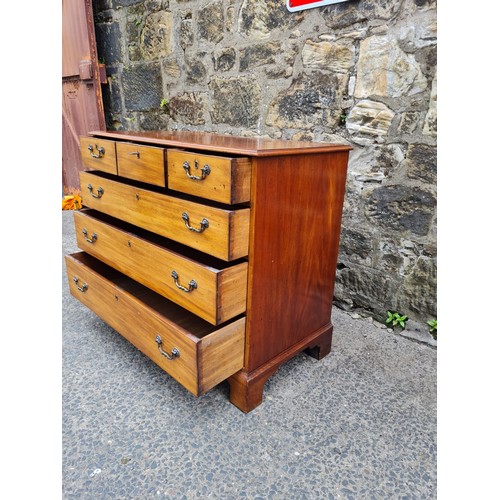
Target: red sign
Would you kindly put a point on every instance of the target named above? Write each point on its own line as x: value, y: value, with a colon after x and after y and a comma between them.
x: 296, y: 5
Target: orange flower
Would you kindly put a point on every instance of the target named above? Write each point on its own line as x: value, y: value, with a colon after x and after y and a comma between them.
x: 71, y: 202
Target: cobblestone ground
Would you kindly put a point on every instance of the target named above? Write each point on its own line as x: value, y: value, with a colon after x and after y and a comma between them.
x: 361, y: 423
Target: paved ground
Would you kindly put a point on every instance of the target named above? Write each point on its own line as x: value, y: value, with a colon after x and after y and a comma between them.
x: 361, y: 423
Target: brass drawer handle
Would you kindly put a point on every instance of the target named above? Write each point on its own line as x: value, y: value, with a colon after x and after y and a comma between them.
x: 203, y: 223
x: 192, y: 284
x: 90, y: 240
x: 136, y: 153
x: 100, y: 191
x: 100, y: 151
x: 204, y: 171
x: 82, y: 288
x: 175, y: 352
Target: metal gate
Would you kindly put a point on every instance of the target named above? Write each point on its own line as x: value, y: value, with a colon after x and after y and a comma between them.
x: 82, y: 107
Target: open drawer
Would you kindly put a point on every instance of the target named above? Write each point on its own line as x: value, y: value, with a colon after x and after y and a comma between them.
x: 195, y: 353
x: 211, y: 288
x: 213, y: 229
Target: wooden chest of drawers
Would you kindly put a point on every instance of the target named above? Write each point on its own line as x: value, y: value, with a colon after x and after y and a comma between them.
x: 214, y: 255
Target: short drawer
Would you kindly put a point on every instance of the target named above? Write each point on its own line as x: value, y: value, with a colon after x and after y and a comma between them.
x: 213, y: 289
x: 141, y: 163
x: 226, y: 180
x: 216, y: 231
x: 98, y: 154
x: 196, y: 354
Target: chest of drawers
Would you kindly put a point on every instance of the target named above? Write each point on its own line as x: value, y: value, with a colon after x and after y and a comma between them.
x: 214, y: 255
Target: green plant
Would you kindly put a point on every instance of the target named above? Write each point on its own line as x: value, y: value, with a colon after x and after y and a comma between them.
x: 433, y: 327
x: 396, y: 319
x: 164, y: 105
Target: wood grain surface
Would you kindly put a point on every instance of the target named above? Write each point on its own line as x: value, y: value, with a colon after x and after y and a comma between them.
x: 142, y: 163
x: 106, y: 161
x: 126, y: 306
x: 220, y: 293
x: 205, y: 141
x: 228, y: 180
x: 226, y: 237
x: 295, y: 227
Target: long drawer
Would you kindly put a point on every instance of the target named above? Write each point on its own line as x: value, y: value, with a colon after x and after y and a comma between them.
x: 223, y: 233
x: 213, y: 289
x: 196, y: 354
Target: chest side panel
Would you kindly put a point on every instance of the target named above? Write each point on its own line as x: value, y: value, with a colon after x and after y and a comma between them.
x: 296, y: 214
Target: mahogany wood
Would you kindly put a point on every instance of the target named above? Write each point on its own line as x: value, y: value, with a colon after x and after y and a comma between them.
x: 162, y: 214
x: 287, y: 241
x: 142, y: 163
x: 207, y: 357
x: 296, y: 210
x: 220, y: 293
x: 246, y: 388
x: 105, y: 160
x: 205, y: 141
x: 228, y: 180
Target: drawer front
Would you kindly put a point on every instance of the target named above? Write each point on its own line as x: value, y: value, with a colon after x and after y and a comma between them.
x: 215, y: 231
x: 98, y: 154
x: 226, y: 180
x: 141, y: 163
x: 202, y: 359
x: 216, y: 295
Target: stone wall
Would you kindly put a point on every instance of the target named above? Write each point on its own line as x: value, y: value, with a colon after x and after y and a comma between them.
x: 361, y: 72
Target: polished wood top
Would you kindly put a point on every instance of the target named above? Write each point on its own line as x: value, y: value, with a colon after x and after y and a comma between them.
x: 206, y: 141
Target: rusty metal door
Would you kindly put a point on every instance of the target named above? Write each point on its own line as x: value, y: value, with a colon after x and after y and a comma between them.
x: 82, y: 107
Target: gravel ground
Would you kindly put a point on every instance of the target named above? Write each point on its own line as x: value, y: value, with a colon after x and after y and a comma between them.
x: 361, y: 423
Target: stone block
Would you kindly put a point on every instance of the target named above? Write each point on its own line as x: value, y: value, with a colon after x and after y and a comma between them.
x: 418, y: 293
x: 142, y: 86
x: 211, y: 22
x: 355, y: 244
x: 369, y: 117
x: 153, y: 120
x: 337, y: 57
x: 225, y: 59
x: 385, y: 70
x: 309, y: 101
x: 108, y: 39
x: 342, y: 15
x: 364, y: 287
x: 155, y: 36
x: 259, y: 55
x: 409, y: 122
x: 170, y: 69
x: 186, y: 35
x: 189, y: 108
x: 258, y: 18
x: 196, y: 72
x: 421, y: 163
x: 402, y: 208
x: 153, y: 5
x: 418, y: 331
x: 236, y: 101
